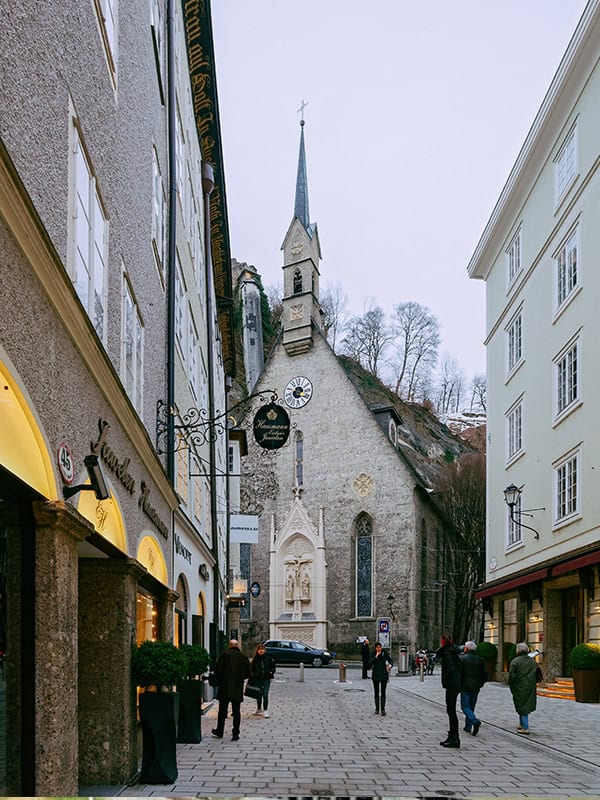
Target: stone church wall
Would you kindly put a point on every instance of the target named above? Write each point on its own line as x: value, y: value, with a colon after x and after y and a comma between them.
x: 350, y: 467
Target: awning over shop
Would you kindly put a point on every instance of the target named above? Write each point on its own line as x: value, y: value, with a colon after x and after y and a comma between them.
x: 576, y: 563
x: 513, y: 583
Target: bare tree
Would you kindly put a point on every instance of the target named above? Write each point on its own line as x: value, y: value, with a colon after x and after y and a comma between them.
x: 479, y: 392
x: 451, y: 381
x: 367, y: 338
x: 460, y: 495
x: 417, y: 334
x: 334, y: 303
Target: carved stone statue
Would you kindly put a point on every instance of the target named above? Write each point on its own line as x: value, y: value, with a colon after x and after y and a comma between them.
x: 305, y: 586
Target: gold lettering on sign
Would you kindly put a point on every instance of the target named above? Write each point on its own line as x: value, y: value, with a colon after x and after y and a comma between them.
x: 101, y: 516
x: 120, y: 468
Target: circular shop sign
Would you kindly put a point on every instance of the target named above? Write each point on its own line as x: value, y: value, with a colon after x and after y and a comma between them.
x: 66, y: 466
x: 271, y: 426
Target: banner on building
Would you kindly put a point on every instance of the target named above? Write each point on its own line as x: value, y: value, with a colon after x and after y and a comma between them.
x: 243, y: 528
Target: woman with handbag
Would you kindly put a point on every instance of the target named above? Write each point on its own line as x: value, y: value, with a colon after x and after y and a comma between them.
x: 262, y: 670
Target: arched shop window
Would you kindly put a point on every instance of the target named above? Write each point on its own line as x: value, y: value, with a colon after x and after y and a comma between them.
x: 146, y: 617
x: 181, y: 613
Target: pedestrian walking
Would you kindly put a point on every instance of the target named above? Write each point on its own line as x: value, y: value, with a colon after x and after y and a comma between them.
x: 231, y: 670
x: 451, y: 681
x: 474, y: 676
x: 365, y: 652
x: 262, y: 671
x: 522, y: 684
x: 380, y: 666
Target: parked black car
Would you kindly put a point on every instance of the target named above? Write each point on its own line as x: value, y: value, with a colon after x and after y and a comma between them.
x: 289, y: 651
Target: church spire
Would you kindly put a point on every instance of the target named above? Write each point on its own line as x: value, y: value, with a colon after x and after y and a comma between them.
x: 301, y: 204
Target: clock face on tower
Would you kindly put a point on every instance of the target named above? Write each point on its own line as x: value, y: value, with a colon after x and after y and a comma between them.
x: 298, y: 392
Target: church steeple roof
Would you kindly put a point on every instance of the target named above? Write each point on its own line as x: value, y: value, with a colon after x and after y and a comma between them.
x: 301, y: 204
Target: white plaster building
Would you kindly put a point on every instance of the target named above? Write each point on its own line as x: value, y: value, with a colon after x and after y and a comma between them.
x: 538, y: 255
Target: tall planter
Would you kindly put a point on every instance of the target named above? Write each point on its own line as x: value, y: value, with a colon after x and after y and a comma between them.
x: 189, y: 728
x: 587, y: 685
x: 158, y: 716
x: 584, y: 661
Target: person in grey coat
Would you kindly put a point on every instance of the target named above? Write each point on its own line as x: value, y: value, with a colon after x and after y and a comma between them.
x: 522, y: 684
x: 473, y: 677
x: 231, y: 670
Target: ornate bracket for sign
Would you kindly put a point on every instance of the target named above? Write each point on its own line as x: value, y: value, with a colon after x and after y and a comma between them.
x: 196, y: 427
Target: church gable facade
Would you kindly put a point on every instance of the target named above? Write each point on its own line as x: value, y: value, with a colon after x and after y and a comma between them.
x: 340, y: 518
x: 348, y: 533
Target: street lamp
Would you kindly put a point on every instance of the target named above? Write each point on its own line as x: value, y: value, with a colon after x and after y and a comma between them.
x: 512, y: 495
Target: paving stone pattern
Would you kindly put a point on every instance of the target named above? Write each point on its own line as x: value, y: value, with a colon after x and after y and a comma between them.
x: 323, y: 739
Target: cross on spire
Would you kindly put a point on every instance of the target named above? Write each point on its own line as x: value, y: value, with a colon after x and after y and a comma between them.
x: 301, y: 111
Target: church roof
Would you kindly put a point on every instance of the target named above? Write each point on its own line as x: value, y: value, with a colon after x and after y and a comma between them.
x: 424, y: 442
x: 301, y: 203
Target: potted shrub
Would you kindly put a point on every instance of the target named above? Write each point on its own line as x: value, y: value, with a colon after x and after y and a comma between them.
x: 585, y: 667
x: 156, y: 668
x: 196, y: 659
x: 489, y: 652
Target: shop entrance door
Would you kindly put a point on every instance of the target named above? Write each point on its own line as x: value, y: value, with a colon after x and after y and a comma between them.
x: 17, y: 643
x: 573, y: 622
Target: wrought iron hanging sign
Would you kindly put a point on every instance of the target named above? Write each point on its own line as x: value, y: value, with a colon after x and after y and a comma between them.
x: 271, y: 426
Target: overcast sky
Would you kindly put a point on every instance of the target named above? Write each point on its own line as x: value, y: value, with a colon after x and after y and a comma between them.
x: 416, y: 113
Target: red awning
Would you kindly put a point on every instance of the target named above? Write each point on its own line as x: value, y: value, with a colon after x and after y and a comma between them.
x: 539, y: 575
x: 576, y: 563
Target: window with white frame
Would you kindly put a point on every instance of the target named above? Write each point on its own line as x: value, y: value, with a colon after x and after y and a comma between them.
x: 566, y: 488
x: 158, y: 213
x: 132, y: 352
x: 567, y: 391
x: 566, y: 269
x: 180, y: 310
x: 192, y: 360
x: 514, y: 430
x: 157, y: 25
x: 565, y: 164
x: 179, y: 158
x: 183, y: 473
x: 106, y: 11
x: 514, y: 342
x: 90, y: 236
x: 514, y: 534
x: 513, y: 256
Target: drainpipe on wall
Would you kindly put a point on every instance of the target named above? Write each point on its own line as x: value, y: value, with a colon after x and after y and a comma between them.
x: 172, y: 241
x: 208, y: 184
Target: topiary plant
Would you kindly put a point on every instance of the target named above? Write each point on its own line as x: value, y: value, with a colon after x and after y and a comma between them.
x: 487, y: 650
x: 195, y: 658
x: 585, y: 656
x: 157, y: 664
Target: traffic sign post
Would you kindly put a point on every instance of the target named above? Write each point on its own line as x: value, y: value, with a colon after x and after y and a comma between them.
x: 384, y: 634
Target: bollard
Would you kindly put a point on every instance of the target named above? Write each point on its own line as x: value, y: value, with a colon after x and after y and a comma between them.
x: 301, y: 678
x: 342, y: 673
x: 421, y: 670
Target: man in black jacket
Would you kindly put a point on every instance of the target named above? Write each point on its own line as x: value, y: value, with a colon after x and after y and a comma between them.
x: 473, y: 677
x: 231, y: 670
x: 451, y: 681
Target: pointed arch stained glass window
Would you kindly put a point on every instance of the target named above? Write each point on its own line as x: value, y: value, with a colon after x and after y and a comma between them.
x: 364, y: 566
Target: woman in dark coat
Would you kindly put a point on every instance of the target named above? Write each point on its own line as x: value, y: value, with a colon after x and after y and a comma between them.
x: 451, y: 681
x: 380, y: 666
x: 522, y: 683
x: 262, y: 670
